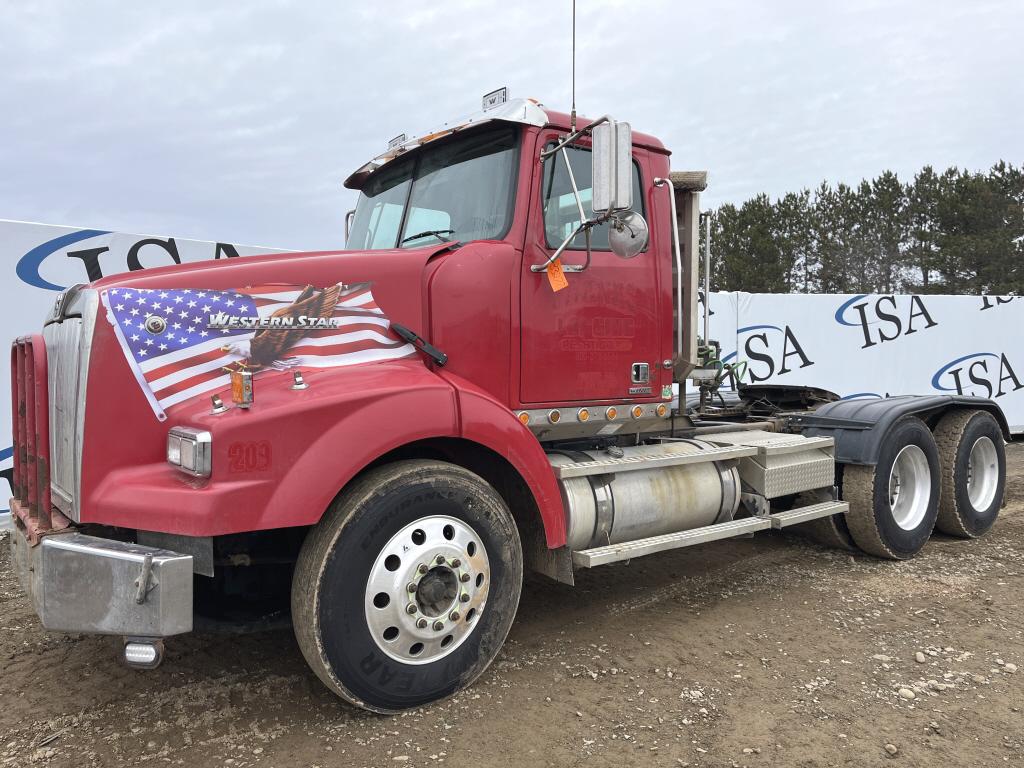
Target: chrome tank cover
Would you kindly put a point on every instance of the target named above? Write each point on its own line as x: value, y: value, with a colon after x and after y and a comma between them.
x: 626, y: 506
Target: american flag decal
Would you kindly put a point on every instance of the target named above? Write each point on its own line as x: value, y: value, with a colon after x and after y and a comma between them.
x: 177, y: 346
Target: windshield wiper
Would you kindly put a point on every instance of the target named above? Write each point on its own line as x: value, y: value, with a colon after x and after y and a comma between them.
x: 430, y: 232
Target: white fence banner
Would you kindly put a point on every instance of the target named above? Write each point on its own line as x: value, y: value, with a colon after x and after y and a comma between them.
x: 878, y: 345
x: 41, y: 260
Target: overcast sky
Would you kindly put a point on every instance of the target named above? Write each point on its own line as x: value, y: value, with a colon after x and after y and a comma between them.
x: 239, y: 123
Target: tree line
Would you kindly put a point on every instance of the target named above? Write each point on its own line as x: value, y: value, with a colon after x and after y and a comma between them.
x: 957, y: 232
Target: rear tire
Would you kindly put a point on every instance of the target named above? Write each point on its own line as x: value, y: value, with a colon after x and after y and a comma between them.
x: 893, y: 505
x: 973, y: 460
x: 406, y: 589
x: 830, y: 531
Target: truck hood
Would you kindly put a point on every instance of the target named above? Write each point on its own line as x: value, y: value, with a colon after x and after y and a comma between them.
x: 181, y: 329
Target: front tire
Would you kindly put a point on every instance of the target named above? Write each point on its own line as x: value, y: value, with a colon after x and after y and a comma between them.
x: 893, y: 505
x: 406, y: 589
x: 973, y: 472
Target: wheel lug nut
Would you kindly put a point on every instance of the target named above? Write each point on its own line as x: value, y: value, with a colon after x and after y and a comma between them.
x: 422, y: 568
x: 410, y: 608
x: 464, y: 597
x: 454, y: 615
x: 464, y: 577
x: 456, y: 563
x: 438, y: 626
x: 411, y: 587
x: 440, y: 559
x: 421, y: 623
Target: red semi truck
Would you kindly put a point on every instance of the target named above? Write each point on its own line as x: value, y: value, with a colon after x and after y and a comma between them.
x: 375, y: 443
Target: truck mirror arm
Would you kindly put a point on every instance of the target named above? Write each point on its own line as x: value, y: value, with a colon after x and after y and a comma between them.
x: 585, y: 224
x: 545, y: 154
x: 583, y: 227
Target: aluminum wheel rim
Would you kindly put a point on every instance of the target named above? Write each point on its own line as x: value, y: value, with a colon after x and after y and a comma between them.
x: 982, y: 474
x: 427, y: 589
x: 910, y: 487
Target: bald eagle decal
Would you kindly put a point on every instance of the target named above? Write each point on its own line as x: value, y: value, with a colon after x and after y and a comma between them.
x: 270, y: 345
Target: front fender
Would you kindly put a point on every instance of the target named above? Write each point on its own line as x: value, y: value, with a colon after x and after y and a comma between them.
x: 282, y: 462
x: 484, y: 420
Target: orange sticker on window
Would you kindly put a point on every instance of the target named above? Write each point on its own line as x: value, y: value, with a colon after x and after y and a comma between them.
x: 556, y: 277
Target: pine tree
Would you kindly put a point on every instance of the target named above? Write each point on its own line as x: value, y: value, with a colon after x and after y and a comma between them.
x: 954, y: 232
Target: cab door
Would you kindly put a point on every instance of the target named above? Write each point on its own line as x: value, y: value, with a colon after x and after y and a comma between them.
x: 597, y: 339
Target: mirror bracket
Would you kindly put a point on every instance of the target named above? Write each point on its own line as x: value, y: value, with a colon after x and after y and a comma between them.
x: 546, y: 153
x: 584, y: 228
x: 585, y: 224
x: 612, y: 185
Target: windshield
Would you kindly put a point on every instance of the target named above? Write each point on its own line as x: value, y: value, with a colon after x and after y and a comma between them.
x: 462, y: 189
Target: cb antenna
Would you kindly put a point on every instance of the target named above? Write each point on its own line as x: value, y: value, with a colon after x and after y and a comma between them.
x: 572, y: 114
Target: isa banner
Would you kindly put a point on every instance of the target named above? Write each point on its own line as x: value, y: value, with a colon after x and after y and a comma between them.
x: 41, y: 260
x: 877, y: 345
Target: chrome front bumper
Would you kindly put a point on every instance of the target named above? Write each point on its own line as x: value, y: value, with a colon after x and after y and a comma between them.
x: 81, y: 583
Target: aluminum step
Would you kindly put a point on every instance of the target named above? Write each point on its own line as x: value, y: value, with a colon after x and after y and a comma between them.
x: 811, y: 512
x: 612, y: 553
x: 633, y: 463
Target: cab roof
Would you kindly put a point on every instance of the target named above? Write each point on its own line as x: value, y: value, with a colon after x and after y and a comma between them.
x: 523, y: 111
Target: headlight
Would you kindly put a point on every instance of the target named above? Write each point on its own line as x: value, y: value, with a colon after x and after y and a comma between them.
x: 190, y: 450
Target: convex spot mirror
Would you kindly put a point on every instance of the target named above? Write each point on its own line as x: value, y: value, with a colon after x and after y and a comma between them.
x: 612, y: 158
x: 627, y: 234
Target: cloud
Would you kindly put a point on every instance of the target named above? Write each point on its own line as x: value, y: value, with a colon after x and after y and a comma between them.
x: 240, y: 122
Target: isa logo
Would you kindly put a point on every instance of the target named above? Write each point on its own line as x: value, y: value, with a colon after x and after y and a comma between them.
x: 770, y: 351
x: 92, y: 253
x: 986, y: 374
x: 881, y: 320
x: 988, y: 302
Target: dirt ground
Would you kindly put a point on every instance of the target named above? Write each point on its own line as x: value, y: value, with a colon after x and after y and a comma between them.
x: 766, y: 651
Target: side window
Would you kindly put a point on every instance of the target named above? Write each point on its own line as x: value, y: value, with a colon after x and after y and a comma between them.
x: 561, y: 216
x: 376, y: 224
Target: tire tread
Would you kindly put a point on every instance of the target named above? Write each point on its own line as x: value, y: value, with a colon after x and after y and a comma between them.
x: 831, y: 531
x: 949, y: 432
x: 859, y: 491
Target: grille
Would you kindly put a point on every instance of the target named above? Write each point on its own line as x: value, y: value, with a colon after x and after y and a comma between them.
x: 63, y: 358
x: 31, y: 431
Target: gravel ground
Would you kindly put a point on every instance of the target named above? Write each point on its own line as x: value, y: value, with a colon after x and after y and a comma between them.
x: 767, y: 651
